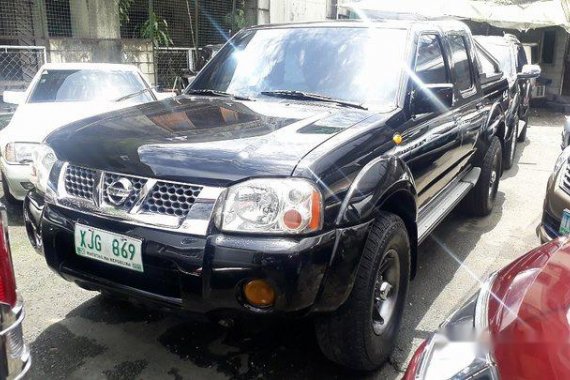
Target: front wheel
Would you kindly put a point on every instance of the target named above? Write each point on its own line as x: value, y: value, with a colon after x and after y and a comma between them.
x: 361, y: 334
x: 481, y: 199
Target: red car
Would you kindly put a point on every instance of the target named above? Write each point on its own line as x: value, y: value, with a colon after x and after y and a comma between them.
x: 14, y: 354
x: 516, y: 327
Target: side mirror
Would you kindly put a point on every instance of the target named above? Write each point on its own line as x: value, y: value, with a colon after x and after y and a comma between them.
x: 14, y: 97
x: 432, y: 98
x: 529, y: 72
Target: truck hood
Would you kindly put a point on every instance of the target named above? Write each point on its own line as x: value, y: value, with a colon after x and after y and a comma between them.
x: 32, y: 122
x: 214, y: 141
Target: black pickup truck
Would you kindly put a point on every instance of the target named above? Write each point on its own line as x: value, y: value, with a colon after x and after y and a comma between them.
x: 296, y: 176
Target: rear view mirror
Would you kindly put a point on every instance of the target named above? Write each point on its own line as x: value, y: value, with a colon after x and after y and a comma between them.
x: 14, y: 97
x: 529, y: 72
x: 432, y: 98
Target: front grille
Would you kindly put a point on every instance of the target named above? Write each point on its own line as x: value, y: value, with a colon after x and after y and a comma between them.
x: 80, y: 182
x: 138, y: 184
x: 565, y: 180
x: 164, y: 198
x: 171, y: 199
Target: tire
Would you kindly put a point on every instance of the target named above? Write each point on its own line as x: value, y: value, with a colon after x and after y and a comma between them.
x: 354, y: 335
x: 481, y: 199
x: 522, y: 136
x: 511, y: 147
x: 8, y: 197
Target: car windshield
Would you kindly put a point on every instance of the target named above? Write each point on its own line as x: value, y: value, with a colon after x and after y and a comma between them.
x: 88, y: 85
x: 356, y: 64
x: 504, y: 56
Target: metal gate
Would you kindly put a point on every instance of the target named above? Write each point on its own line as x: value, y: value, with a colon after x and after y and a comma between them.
x: 18, y: 65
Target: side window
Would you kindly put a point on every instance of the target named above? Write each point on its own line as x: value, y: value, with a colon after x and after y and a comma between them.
x: 430, y: 65
x: 461, y: 64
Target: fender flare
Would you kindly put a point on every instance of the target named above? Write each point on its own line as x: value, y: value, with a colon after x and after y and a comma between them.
x: 496, y: 116
x: 375, y: 182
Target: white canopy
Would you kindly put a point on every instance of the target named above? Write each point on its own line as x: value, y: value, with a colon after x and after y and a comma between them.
x: 522, y: 15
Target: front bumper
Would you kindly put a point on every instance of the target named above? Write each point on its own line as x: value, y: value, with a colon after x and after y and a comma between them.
x: 15, y: 358
x: 204, y: 274
x: 18, y: 177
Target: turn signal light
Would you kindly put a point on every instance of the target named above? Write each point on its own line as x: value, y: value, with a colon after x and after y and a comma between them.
x: 259, y: 293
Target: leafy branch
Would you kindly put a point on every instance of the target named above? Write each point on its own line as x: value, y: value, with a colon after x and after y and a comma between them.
x: 156, y: 29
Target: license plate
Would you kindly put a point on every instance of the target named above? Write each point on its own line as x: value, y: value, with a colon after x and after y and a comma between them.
x: 565, y: 223
x: 108, y: 247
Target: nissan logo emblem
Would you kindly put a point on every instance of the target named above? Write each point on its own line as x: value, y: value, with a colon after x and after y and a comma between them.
x: 119, y: 191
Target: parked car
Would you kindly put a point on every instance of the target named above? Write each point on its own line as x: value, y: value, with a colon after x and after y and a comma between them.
x: 515, y: 327
x: 566, y: 133
x: 511, y: 57
x: 60, y: 94
x: 296, y: 177
x: 14, y: 353
x: 556, y: 209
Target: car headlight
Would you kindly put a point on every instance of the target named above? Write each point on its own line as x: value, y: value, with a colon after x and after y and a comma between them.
x: 281, y: 206
x: 460, y: 349
x: 562, y: 159
x: 44, y: 159
x: 19, y: 153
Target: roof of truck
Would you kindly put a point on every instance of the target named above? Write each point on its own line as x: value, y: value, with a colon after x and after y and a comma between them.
x: 389, y: 22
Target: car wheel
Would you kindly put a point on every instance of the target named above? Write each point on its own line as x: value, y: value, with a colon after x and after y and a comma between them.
x: 361, y: 334
x: 511, y: 147
x: 522, y: 136
x: 480, y: 200
x: 8, y: 197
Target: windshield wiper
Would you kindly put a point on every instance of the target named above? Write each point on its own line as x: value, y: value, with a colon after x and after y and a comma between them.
x: 311, y: 96
x: 210, y: 92
x: 133, y: 94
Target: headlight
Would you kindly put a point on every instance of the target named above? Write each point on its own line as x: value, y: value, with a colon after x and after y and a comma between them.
x: 282, y: 206
x: 460, y: 349
x: 19, y: 153
x: 562, y: 159
x: 44, y: 159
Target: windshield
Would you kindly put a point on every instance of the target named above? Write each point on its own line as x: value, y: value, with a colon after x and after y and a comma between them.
x: 360, y: 65
x: 504, y: 56
x: 88, y: 85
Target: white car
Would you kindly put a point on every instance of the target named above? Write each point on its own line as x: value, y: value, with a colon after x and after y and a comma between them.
x: 60, y: 94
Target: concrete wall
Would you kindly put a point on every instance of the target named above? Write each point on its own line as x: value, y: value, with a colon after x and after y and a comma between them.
x: 553, y: 71
x: 282, y: 11
x: 95, y: 19
x: 137, y: 52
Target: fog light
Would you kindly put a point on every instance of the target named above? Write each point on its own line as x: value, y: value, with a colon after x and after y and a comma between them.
x: 259, y: 293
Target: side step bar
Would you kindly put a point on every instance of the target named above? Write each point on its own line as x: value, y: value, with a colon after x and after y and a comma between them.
x: 433, y: 213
